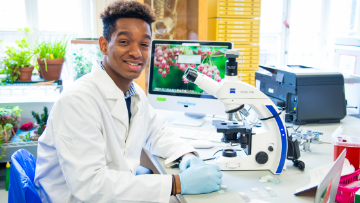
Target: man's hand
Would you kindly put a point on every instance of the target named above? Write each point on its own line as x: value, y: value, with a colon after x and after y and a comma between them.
x: 200, y: 178
x: 189, y: 160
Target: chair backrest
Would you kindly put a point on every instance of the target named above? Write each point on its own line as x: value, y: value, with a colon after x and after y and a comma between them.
x: 22, y: 173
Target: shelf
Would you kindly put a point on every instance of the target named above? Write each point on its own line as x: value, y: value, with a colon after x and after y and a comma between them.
x: 19, y: 93
x: 13, y: 147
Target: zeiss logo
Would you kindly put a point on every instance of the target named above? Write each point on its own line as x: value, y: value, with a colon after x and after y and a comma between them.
x: 232, y: 90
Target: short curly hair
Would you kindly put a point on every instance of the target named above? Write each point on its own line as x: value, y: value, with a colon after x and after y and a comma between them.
x: 125, y: 9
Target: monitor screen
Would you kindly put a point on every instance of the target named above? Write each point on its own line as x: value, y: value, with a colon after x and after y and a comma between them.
x: 171, y: 58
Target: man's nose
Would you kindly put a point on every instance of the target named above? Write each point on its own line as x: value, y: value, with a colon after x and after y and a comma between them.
x: 135, y: 51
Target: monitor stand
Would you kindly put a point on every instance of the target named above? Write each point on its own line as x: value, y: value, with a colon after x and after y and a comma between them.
x: 190, y: 119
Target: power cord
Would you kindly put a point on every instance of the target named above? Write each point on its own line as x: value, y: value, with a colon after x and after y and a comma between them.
x: 278, y: 114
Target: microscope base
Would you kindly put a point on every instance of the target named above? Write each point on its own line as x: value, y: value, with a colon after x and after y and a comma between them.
x: 242, y: 162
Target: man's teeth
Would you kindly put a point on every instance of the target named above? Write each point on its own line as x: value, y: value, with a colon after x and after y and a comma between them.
x: 134, y: 64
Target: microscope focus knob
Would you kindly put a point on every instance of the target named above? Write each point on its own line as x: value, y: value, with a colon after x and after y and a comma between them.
x: 261, y: 157
x: 270, y: 148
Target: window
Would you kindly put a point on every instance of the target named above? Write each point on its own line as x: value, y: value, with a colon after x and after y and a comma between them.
x: 304, y: 37
x: 60, y: 16
x: 343, y: 22
x: 48, y: 18
x: 313, y: 27
x: 12, y: 14
x: 270, y: 32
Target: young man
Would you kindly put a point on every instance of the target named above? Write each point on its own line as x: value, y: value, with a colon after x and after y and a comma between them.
x: 91, y: 147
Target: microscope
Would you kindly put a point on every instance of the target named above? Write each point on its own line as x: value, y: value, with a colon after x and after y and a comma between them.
x: 265, y: 149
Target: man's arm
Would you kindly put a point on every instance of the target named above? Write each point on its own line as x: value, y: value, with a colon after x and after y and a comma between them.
x: 81, y: 146
x: 163, y: 141
x: 198, y: 176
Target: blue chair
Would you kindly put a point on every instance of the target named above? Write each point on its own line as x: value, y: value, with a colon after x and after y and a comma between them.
x: 22, y: 173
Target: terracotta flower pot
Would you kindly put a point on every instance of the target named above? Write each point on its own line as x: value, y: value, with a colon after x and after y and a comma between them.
x: 40, y: 73
x: 54, y: 67
x: 26, y: 73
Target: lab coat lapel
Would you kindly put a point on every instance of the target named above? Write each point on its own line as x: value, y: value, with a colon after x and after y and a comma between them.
x: 136, y: 124
x: 119, y: 111
x: 112, y: 92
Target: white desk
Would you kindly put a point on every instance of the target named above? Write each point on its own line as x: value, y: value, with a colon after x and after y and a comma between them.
x: 292, y: 178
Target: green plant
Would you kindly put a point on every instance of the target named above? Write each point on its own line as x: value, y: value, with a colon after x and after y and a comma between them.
x: 41, y: 120
x: 82, y: 64
x: 17, y: 59
x: 46, y: 49
x: 8, y: 126
x: 26, y: 137
x: 2, y: 71
x: 4, y: 148
x: 10, y: 116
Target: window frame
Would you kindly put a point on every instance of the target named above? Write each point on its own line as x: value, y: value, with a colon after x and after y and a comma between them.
x: 323, y: 34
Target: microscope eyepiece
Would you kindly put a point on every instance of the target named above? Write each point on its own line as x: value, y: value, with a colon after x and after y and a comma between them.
x: 191, y: 74
x: 231, y: 64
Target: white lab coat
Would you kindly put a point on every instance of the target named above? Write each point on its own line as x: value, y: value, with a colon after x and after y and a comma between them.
x: 89, y: 153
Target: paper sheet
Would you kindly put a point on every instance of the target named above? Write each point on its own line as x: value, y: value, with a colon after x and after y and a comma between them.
x: 318, y: 174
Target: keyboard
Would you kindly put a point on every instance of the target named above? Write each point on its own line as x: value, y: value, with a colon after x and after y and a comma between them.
x: 210, y: 135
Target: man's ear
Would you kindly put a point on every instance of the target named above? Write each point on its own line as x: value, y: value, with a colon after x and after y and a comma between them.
x: 103, y: 44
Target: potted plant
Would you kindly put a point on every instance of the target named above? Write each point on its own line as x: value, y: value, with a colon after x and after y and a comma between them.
x: 5, y: 132
x: 81, y: 65
x: 10, y: 116
x: 2, y: 155
x: 51, y: 56
x: 40, y: 120
x: 18, y: 62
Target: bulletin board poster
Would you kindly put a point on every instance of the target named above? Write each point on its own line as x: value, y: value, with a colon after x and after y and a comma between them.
x: 347, y: 63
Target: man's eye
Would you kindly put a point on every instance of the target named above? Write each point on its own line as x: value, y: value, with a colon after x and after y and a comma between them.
x: 123, y: 42
x: 145, y: 45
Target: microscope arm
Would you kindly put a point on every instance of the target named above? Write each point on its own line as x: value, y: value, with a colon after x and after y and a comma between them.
x: 202, y: 81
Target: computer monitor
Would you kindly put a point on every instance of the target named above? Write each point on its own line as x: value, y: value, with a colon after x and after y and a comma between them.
x: 168, y: 88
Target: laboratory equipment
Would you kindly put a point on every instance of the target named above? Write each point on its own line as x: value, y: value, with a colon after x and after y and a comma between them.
x: 244, y: 197
x: 263, y: 150
x: 169, y: 89
x: 309, y: 95
x: 349, y: 142
x: 347, y: 187
x: 306, y: 140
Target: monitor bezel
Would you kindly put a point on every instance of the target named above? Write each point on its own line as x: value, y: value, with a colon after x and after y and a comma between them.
x: 151, y: 69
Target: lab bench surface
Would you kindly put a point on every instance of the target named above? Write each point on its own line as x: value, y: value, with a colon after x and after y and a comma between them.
x: 291, y: 178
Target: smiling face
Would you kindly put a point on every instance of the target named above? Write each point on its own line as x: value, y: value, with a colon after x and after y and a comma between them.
x: 127, y: 52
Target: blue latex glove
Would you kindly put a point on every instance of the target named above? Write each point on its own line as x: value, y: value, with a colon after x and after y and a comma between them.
x: 189, y: 160
x: 199, y: 179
